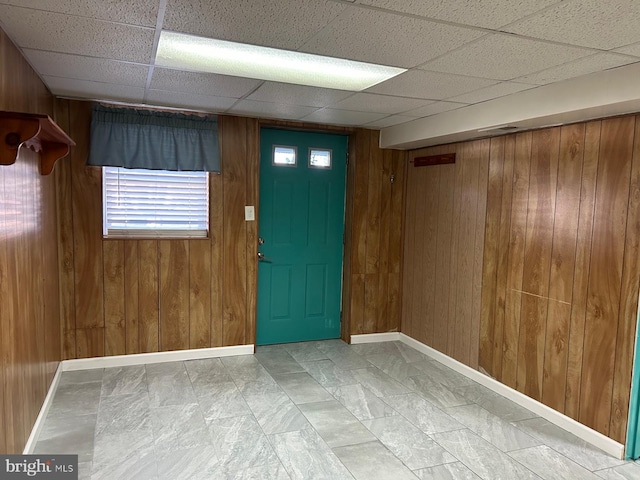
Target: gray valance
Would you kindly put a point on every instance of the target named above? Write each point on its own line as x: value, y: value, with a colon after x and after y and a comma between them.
x: 123, y: 137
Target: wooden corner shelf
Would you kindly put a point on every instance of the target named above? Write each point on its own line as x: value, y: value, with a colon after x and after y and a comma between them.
x: 37, y: 132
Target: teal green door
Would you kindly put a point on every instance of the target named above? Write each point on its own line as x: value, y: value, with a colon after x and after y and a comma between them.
x: 301, y: 226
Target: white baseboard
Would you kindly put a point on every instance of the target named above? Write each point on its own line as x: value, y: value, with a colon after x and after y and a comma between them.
x: 587, y: 434
x: 155, y: 357
x: 375, y: 338
x: 123, y: 361
x: 46, y: 405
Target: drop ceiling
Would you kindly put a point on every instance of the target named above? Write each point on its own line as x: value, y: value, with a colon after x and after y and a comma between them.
x: 458, y: 53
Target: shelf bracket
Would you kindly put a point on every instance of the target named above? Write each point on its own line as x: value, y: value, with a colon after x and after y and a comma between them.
x: 36, y: 132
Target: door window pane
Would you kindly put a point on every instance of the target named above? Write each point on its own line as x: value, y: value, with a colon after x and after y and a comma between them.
x: 319, y: 158
x: 285, y: 156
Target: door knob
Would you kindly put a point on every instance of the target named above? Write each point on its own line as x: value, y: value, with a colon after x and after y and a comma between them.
x: 260, y: 241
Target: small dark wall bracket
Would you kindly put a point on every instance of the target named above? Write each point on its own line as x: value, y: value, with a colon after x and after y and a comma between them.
x: 431, y: 160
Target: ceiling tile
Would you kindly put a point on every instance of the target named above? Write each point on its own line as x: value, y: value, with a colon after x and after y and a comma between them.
x: 633, y: 49
x: 274, y: 23
x: 202, y: 83
x: 388, y: 39
x: 68, y: 87
x: 582, y: 66
x: 369, y: 102
x: 435, y: 108
x: 188, y: 100
x: 481, y: 13
x: 87, y: 68
x: 270, y: 110
x: 590, y: 23
x: 429, y: 85
x: 298, y: 94
x: 494, y: 91
x: 504, y: 57
x: 138, y: 12
x: 390, y: 121
x: 342, y: 117
x: 82, y: 36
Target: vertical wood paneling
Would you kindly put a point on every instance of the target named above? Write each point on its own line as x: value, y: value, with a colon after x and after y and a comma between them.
x: 565, y: 235
x: 114, y: 297
x: 582, y: 266
x: 444, y: 229
x: 64, y: 211
x: 199, y: 294
x: 174, y: 294
x: 513, y: 299
x: 443, y: 256
x: 132, y: 296
x: 30, y: 341
x: 357, y: 303
x: 503, y: 255
x: 372, y: 233
x: 373, y: 239
x: 476, y: 287
x: 490, y: 254
x: 428, y: 240
x: 216, y: 232
x: 374, y: 199
x: 372, y: 302
x: 605, y: 276
x: 623, y: 367
x: 537, y: 260
x: 398, y: 167
x: 86, y: 190
x: 90, y: 342
x: 383, y: 318
x: 360, y: 204
x: 466, y: 246
x: 233, y: 148
x: 148, y: 301
x: 252, y: 198
x: 558, y: 267
x: 454, y: 280
x: 418, y: 326
x: 409, y: 246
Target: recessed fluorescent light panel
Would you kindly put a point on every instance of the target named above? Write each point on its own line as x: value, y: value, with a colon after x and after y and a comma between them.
x: 200, y: 54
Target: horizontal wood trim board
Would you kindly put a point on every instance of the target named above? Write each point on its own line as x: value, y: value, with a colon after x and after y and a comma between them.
x: 430, y: 160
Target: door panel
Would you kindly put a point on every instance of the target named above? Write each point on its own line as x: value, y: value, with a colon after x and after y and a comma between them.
x: 302, y: 223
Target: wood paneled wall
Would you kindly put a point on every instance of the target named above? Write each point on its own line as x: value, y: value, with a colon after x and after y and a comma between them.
x: 135, y: 296
x: 562, y: 266
x: 132, y: 296
x: 443, y: 243
x: 373, y: 254
x: 29, y: 310
x: 543, y: 289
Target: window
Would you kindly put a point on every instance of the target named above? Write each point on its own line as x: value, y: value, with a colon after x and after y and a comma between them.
x: 154, y: 203
x: 284, y: 156
x: 319, y: 158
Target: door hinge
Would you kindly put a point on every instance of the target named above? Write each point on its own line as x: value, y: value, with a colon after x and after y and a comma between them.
x: 347, y: 159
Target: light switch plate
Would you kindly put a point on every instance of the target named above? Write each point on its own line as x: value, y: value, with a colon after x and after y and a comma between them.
x: 249, y: 213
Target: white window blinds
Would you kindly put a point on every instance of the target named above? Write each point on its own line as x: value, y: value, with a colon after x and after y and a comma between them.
x: 155, y: 203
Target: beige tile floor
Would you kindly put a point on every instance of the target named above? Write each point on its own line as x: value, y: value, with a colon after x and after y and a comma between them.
x: 316, y: 410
